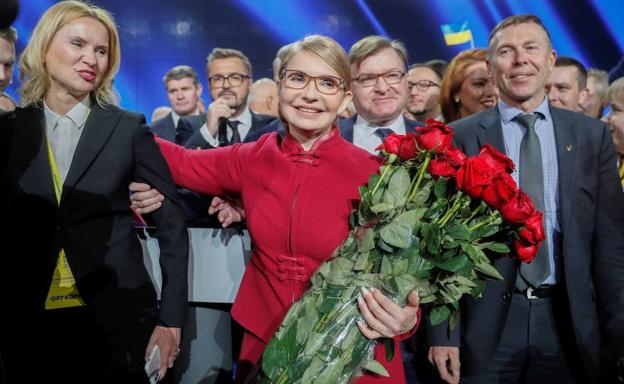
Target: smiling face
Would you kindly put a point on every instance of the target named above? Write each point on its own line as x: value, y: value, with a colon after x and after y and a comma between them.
x: 423, y: 104
x: 307, y: 111
x: 521, y: 60
x: 477, y: 91
x: 77, y: 57
x: 381, y: 103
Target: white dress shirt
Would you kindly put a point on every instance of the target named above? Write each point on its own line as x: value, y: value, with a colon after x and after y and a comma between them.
x: 364, y: 132
x: 63, y: 133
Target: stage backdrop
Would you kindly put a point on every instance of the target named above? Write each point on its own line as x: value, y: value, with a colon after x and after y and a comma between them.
x: 157, y: 35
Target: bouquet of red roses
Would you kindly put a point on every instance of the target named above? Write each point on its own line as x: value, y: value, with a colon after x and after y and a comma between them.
x: 425, y: 222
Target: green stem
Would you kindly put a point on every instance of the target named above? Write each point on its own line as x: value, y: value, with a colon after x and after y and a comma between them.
x: 474, y: 213
x: 490, y: 219
x: 421, y: 174
x: 381, y: 178
x: 451, y: 212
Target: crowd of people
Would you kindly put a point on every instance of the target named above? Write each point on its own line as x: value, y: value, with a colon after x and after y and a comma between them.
x: 287, y: 156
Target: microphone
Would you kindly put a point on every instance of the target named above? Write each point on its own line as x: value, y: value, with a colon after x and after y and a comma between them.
x: 8, y: 12
x: 222, y: 133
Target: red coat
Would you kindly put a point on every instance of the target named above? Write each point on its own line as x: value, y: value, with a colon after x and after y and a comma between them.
x: 297, y: 205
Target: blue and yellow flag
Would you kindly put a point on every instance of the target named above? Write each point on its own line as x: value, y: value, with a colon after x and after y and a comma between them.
x: 456, y: 33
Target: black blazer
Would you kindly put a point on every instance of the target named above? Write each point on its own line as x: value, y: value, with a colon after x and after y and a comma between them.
x: 187, y: 126
x: 591, y: 206
x: 93, y: 224
x: 346, y: 127
x: 258, y: 122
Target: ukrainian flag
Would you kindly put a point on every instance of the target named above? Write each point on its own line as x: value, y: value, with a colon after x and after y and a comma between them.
x: 456, y: 33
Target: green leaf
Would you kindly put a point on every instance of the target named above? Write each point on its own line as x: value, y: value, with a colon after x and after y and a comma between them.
x: 382, y: 207
x: 376, y: 367
x: 362, y: 262
x: 398, y: 186
x: 496, y: 247
x: 438, y: 314
x: 459, y: 231
x: 400, y: 266
x: 386, y: 266
x: 422, y: 195
x: 397, y: 233
x: 453, y: 264
x: 454, y: 320
x: 435, y: 237
x: 488, y: 270
x: 440, y: 188
x: 388, y: 348
x: 366, y: 241
x: 384, y: 246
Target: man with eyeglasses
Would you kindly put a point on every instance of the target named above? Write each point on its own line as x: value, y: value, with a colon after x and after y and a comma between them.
x: 228, y: 118
x: 378, y: 69
x: 423, y: 82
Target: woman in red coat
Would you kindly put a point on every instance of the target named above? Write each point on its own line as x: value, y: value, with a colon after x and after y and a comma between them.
x: 297, y: 192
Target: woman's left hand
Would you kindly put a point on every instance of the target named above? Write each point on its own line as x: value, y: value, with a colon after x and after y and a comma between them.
x: 383, y: 317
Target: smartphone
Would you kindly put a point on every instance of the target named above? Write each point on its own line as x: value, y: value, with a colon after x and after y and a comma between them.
x: 152, y: 365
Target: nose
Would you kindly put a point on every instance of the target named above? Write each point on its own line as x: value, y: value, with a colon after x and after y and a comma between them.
x: 4, y: 75
x: 88, y: 57
x: 489, y: 88
x: 520, y: 57
x: 381, y: 86
x: 309, y: 91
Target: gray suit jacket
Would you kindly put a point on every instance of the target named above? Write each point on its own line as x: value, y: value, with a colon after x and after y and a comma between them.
x: 591, y: 206
x: 188, y: 125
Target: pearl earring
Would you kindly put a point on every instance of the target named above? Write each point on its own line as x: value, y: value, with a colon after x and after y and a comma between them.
x: 457, y: 99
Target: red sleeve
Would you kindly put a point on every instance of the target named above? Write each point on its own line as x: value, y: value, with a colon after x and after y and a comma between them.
x: 209, y: 171
x: 411, y: 332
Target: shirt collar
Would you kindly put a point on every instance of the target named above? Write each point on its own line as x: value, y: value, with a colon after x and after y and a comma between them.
x: 397, y: 126
x: 78, y: 114
x: 244, y: 118
x: 508, y: 113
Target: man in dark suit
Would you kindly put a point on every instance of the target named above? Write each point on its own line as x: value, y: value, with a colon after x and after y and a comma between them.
x: 551, y: 320
x: 183, y: 91
x: 228, y: 119
x: 378, y: 68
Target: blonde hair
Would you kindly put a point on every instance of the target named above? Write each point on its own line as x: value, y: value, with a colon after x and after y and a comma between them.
x: 326, y: 49
x: 615, y: 89
x: 33, y: 75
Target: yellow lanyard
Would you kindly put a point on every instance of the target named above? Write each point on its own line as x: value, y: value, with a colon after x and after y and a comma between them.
x: 622, y: 172
x: 63, y: 291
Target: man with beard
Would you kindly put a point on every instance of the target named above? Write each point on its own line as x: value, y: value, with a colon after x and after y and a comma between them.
x: 228, y: 119
x: 423, y: 82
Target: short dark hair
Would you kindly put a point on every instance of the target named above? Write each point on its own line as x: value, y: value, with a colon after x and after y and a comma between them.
x: 181, y: 72
x: 9, y: 34
x: 511, y: 21
x: 438, y: 65
x: 434, y: 69
x: 581, y: 71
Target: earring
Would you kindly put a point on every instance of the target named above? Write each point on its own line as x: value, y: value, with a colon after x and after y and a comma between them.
x: 456, y: 99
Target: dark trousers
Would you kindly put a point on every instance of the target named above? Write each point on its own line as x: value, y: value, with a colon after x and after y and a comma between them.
x: 69, y: 346
x: 536, y: 346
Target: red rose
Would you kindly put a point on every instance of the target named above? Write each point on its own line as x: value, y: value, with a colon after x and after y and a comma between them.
x: 407, y: 147
x: 442, y: 167
x: 500, y: 191
x: 435, y: 136
x: 455, y: 156
x: 525, y: 253
x: 391, y: 144
x: 518, y: 209
x: 496, y: 159
x: 533, y: 230
x: 474, y: 176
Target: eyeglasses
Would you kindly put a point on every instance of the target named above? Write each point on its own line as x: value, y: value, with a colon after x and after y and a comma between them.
x: 235, y: 79
x: 325, y: 84
x: 422, y: 85
x: 371, y: 79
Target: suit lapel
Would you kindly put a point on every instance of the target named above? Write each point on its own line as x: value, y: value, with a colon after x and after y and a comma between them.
x: 99, y: 126
x: 346, y: 128
x: 492, y: 133
x: 32, y: 125
x: 567, y: 145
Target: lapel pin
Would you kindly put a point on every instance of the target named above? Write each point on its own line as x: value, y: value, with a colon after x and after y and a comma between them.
x: 568, y: 147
